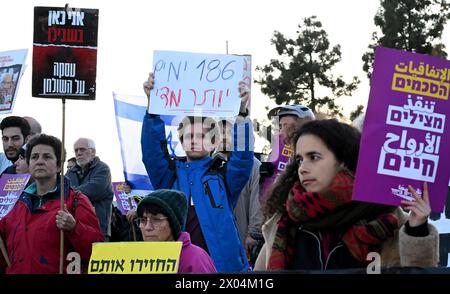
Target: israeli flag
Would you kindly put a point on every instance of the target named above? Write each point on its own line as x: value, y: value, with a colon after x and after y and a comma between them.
x: 130, y: 111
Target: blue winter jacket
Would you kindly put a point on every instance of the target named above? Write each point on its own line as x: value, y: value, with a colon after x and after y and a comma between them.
x: 207, y: 189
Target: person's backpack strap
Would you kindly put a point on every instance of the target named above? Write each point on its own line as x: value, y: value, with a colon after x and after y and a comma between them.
x: 218, y: 166
x: 173, y: 169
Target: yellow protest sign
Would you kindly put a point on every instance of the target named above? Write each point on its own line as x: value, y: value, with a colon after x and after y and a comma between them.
x: 135, y: 258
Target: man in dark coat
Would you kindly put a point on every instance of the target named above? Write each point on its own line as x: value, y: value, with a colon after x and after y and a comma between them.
x: 92, y: 177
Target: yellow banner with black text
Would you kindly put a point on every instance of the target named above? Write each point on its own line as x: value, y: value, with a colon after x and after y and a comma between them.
x: 135, y: 258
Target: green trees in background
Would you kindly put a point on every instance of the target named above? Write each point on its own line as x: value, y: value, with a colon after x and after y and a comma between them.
x: 303, y: 73
x: 412, y: 25
x: 305, y: 66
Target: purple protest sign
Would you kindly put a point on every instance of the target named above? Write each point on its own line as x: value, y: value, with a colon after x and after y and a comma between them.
x: 11, y: 187
x: 124, y: 201
x: 279, y: 161
x: 405, y: 140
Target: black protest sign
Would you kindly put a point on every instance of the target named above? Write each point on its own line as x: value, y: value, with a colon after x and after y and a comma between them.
x: 65, y: 53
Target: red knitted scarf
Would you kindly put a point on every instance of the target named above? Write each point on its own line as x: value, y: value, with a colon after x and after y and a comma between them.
x: 364, y: 226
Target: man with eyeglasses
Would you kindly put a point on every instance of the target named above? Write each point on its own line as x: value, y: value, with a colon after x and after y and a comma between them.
x: 92, y: 177
x: 161, y: 217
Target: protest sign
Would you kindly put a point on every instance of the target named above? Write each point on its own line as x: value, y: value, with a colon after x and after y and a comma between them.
x: 196, y: 84
x: 11, y: 187
x: 404, y: 141
x: 125, y: 202
x: 64, y: 53
x: 280, y: 159
x: 11, y: 69
x: 64, y: 62
x: 135, y: 258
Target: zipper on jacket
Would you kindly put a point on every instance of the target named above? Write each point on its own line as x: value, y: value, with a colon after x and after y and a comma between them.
x: 211, y: 198
x: 319, y: 247
x: 331, y: 252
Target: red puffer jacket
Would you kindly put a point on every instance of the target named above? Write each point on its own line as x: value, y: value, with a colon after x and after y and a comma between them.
x: 32, y: 239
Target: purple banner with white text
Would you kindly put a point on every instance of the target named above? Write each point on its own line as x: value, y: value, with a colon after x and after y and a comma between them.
x: 125, y: 201
x: 11, y: 187
x: 405, y: 140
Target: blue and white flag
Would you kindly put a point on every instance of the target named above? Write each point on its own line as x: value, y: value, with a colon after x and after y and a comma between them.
x: 130, y: 111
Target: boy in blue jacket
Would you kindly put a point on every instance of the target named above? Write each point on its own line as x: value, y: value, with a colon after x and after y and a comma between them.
x: 211, y: 186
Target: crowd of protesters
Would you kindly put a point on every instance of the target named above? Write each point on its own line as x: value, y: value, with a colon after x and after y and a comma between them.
x: 212, y: 199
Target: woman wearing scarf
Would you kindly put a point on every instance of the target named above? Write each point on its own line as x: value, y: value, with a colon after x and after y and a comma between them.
x: 312, y: 223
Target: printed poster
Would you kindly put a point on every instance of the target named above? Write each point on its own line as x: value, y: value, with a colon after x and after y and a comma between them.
x: 125, y: 202
x: 65, y: 53
x: 406, y: 139
x: 135, y: 258
x: 11, y: 187
x: 12, y: 65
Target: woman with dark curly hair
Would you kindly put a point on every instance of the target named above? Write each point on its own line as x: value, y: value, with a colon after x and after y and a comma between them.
x: 312, y: 223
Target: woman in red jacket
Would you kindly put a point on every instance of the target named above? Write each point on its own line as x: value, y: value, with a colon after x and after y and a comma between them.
x: 31, y: 229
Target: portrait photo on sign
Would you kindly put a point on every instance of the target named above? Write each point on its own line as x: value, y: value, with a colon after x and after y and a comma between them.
x: 9, y: 77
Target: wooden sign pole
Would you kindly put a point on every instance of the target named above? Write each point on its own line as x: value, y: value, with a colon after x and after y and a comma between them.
x: 61, y: 243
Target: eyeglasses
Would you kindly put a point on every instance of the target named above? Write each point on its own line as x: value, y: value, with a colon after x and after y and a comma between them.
x: 154, y: 221
x: 82, y: 149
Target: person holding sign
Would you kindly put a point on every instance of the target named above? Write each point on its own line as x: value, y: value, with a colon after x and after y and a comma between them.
x: 161, y: 217
x: 313, y: 224
x: 212, y: 187
x: 31, y: 229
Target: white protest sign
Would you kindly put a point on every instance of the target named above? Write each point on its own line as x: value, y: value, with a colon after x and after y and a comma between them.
x: 11, y: 69
x: 196, y: 84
